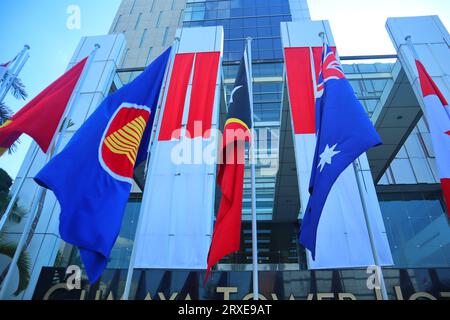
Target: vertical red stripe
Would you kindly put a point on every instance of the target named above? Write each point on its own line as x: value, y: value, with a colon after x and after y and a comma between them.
x: 445, y: 185
x: 203, y: 93
x: 176, y: 96
x: 301, y: 90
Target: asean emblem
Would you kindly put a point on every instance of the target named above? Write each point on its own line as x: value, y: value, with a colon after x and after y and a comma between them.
x: 121, y: 139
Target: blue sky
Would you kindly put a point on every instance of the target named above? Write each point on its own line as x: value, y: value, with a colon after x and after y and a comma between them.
x: 42, y: 25
x: 358, y: 27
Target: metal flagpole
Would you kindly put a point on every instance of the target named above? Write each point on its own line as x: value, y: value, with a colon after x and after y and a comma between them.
x: 376, y: 259
x: 56, y: 140
x: 411, y: 47
x: 18, y: 65
x: 248, y: 62
x: 161, y: 103
x: 16, y: 193
x: 19, y: 187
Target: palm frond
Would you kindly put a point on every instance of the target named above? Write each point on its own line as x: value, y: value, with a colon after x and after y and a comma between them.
x: 18, y: 89
x: 23, y: 264
x: 5, y: 113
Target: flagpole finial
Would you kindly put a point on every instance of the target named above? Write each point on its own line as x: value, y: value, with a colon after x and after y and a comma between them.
x: 97, y: 46
x: 249, y: 38
x: 27, y: 47
x: 322, y: 36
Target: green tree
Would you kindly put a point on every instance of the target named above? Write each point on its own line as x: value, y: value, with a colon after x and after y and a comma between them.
x: 8, y: 247
x: 17, y: 91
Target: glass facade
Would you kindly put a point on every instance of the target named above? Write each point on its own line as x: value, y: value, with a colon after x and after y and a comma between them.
x: 407, y: 216
x: 412, y: 209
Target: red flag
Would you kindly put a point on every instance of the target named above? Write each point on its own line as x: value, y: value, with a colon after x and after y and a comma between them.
x: 227, y: 229
x: 40, y: 117
x: 437, y: 112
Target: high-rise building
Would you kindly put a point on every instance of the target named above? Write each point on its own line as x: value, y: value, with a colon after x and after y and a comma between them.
x: 404, y: 170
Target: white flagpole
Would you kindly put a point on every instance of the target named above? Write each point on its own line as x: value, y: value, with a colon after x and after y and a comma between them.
x: 161, y: 103
x: 248, y: 62
x: 13, y: 199
x: 36, y: 151
x: 18, y: 65
x: 376, y: 258
x: 57, y: 139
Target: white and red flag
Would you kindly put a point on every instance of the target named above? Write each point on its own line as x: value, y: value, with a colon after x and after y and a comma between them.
x: 437, y: 112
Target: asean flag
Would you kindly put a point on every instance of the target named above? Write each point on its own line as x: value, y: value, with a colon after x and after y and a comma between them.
x: 437, y: 112
x: 41, y: 116
x: 92, y: 177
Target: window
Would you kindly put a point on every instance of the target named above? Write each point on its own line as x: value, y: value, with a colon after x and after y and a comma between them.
x: 144, y: 34
x: 159, y: 19
x: 166, y: 32
x: 138, y: 21
x: 417, y: 229
x: 117, y: 22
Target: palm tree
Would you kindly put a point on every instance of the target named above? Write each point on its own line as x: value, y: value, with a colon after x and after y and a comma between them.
x: 17, y: 91
x: 8, y: 247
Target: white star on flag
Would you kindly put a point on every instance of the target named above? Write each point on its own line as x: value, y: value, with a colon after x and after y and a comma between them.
x: 326, y: 156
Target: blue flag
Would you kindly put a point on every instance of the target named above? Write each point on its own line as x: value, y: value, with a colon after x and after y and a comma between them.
x: 344, y: 132
x: 92, y: 176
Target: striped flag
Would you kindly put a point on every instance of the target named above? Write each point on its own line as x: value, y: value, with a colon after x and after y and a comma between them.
x: 437, y: 113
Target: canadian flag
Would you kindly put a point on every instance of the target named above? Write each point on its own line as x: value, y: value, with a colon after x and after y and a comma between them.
x: 437, y: 112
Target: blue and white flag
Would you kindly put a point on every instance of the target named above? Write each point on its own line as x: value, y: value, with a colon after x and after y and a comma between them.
x: 344, y: 132
x: 92, y: 177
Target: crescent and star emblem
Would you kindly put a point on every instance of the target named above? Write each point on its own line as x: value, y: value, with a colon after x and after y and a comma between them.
x: 232, y: 93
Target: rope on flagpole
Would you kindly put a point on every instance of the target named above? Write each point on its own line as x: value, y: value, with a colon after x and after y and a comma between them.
x: 253, y: 173
x: 37, y: 203
x: 161, y: 102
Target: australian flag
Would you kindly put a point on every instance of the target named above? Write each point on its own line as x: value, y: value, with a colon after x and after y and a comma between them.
x: 344, y: 132
x: 92, y: 176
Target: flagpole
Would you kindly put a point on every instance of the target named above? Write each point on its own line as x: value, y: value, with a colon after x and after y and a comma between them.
x: 376, y: 258
x: 411, y: 47
x: 13, y: 199
x: 161, y: 103
x: 56, y: 139
x: 18, y: 65
x: 253, y: 175
x: 63, y: 131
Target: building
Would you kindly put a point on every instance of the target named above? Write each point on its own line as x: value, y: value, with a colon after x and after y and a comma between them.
x: 404, y: 171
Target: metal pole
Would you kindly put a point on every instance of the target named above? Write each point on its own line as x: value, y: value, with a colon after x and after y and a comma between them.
x: 253, y: 174
x: 19, y: 187
x: 18, y: 65
x: 161, y: 103
x: 40, y: 191
x: 411, y: 47
x: 376, y: 258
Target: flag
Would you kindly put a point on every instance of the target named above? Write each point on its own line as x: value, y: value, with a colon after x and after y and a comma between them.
x: 92, y: 176
x: 344, y: 132
x: 437, y: 113
x: 41, y: 116
x: 230, y: 177
x: 5, y: 66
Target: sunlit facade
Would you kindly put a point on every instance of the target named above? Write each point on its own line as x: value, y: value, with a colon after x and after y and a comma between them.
x: 408, y: 190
